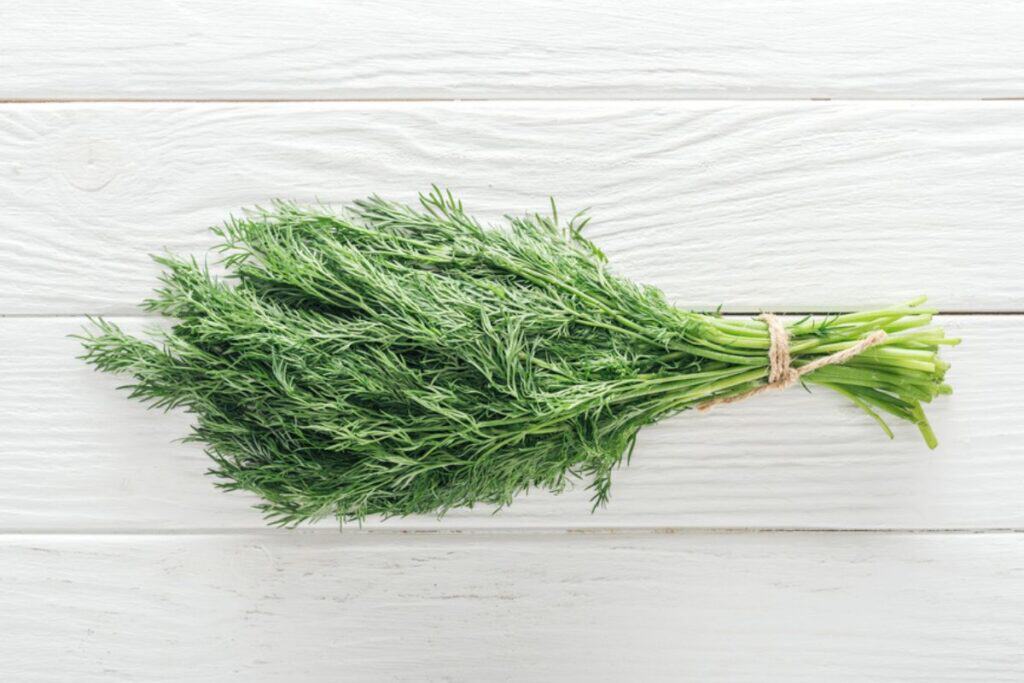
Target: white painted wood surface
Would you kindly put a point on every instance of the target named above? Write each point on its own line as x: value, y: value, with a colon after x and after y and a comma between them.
x: 780, y: 206
x: 668, y: 607
x: 792, y: 460
x: 119, y: 560
x: 302, y: 49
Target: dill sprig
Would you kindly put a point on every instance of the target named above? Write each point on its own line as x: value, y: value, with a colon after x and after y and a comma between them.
x: 388, y: 360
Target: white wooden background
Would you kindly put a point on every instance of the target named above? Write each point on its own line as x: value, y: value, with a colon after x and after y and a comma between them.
x: 752, y: 153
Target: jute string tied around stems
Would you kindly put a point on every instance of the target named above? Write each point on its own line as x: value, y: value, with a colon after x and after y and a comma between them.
x: 782, y: 374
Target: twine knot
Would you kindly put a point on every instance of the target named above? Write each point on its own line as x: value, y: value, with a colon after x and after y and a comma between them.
x: 781, y: 373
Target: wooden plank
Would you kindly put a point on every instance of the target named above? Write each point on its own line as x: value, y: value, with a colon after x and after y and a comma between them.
x: 79, y: 456
x: 304, y: 49
x: 656, y: 607
x: 777, y: 206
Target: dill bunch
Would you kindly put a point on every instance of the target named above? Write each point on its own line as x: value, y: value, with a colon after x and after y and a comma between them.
x: 386, y: 360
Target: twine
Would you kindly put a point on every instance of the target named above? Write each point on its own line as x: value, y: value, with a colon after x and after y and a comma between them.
x: 781, y: 373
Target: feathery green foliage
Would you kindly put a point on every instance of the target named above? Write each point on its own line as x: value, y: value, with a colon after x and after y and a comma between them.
x: 389, y: 360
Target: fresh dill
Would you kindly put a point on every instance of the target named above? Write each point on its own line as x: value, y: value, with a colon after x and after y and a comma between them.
x: 388, y: 360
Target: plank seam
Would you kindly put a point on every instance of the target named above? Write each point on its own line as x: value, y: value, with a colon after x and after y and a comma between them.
x: 517, y: 531
x: 144, y: 316
x: 518, y: 100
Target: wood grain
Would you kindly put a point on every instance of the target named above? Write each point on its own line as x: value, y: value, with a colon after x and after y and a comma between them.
x: 668, y: 607
x: 305, y: 49
x: 120, y: 561
x: 79, y: 456
x: 777, y: 206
